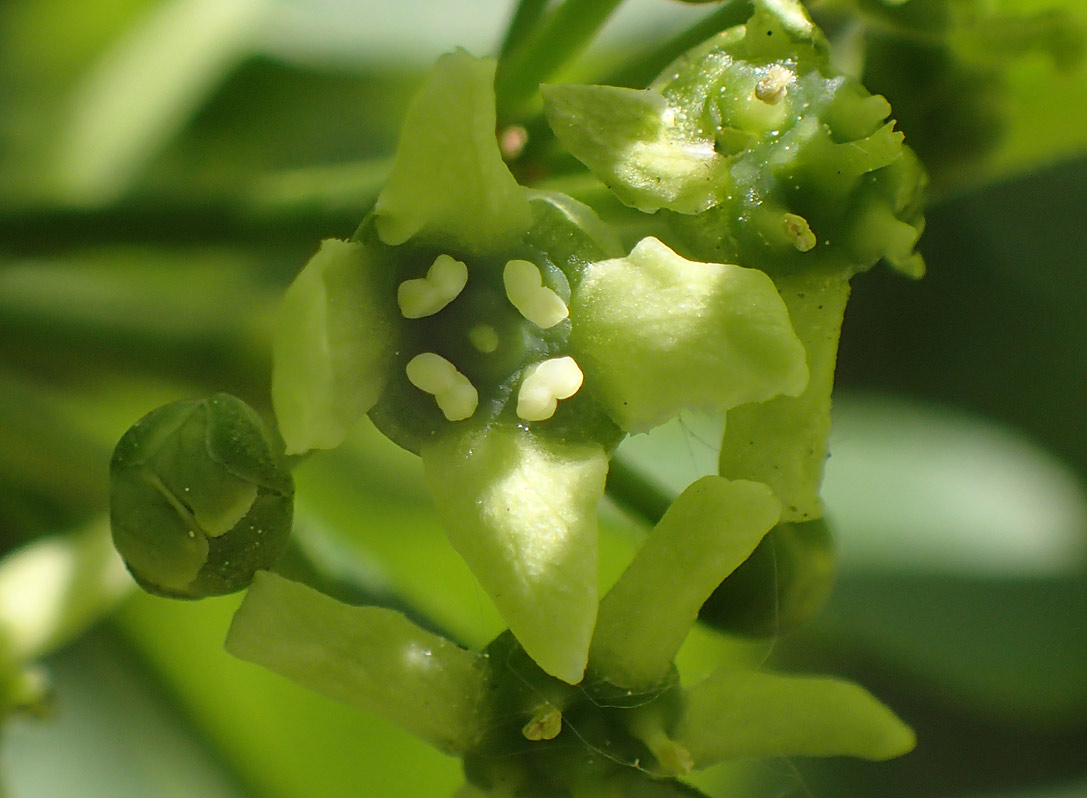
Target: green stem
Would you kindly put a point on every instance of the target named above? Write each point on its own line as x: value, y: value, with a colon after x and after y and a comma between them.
x: 632, y: 490
x: 524, y: 20
x: 644, y: 68
x: 172, y: 222
x: 560, y: 38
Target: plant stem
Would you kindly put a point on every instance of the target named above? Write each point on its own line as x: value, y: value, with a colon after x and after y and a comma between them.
x: 561, y: 37
x: 631, y: 489
x: 643, y: 68
x: 525, y: 18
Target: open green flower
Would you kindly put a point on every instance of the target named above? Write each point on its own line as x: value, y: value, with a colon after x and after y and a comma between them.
x: 630, y: 727
x: 501, y: 334
x: 752, y: 148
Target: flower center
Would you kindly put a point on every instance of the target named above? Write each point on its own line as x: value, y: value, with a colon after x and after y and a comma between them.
x: 482, y: 338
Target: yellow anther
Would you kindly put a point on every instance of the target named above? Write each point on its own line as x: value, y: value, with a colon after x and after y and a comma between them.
x: 545, y: 725
x: 799, y: 231
x: 457, y: 398
x: 544, y: 384
x: 535, y: 301
x: 425, y: 296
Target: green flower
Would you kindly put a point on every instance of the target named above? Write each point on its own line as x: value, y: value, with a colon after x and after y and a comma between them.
x: 630, y: 727
x: 200, y: 497
x: 752, y: 149
x: 501, y: 334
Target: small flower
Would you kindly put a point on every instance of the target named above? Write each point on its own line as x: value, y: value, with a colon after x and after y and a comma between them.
x: 752, y: 148
x: 501, y: 334
x: 201, y: 497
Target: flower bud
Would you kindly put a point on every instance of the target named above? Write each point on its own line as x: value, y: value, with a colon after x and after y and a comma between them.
x: 200, y: 497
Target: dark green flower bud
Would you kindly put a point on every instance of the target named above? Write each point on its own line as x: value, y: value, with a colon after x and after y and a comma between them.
x: 200, y: 497
x: 785, y: 581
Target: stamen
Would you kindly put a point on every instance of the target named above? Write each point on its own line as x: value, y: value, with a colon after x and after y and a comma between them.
x: 425, y: 296
x: 544, y: 385
x: 484, y: 338
x: 798, y: 229
x: 457, y: 398
x: 525, y: 289
x: 773, y: 86
x: 545, y: 725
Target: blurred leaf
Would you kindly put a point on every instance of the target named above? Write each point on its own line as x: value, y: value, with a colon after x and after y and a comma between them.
x: 913, y: 487
x: 283, y: 740
x: 1010, y: 648
x: 114, y: 734
x: 997, y: 326
x: 145, y: 88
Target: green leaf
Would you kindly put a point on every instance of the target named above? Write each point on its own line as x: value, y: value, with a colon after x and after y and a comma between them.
x: 522, y: 513
x: 659, y: 333
x: 734, y: 714
x: 145, y: 89
x: 710, y: 529
x: 449, y: 183
x: 333, y: 346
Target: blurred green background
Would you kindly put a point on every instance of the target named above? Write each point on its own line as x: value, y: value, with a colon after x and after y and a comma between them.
x: 167, y: 166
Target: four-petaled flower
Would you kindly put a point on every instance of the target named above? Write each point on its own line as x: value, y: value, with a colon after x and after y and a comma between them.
x: 500, y: 333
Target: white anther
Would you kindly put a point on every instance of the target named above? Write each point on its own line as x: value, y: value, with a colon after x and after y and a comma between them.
x: 483, y: 338
x: 799, y: 231
x: 425, y: 296
x: 536, y: 302
x: 773, y: 86
x: 544, y: 384
x: 457, y: 398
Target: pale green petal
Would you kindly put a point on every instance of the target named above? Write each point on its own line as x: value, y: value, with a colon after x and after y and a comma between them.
x: 655, y: 333
x: 522, y: 513
x: 783, y: 442
x: 449, y: 183
x: 710, y: 529
x: 370, y: 657
x: 637, y: 145
x: 733, y: 714
x: 334, y: 341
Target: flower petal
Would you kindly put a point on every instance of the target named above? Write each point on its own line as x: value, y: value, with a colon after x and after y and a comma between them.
x: 657, y: 333
x: 333, y: 346
x: 370, y: 657
x: 449, y: 182
x: 710, y: 529
x: 635, y: 142
x: 522, y: 513
x: 734, y: 714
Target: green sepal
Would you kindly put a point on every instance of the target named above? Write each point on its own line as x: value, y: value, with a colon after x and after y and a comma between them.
x: 370, y: 657
x: 521, y: 511
x: 449, y: 184
x: 734, y: 714
x: 630, y: 139
x: 710, y: 529
x: 200, y: 497
x: 659, y: 334
x: 334, y: 342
